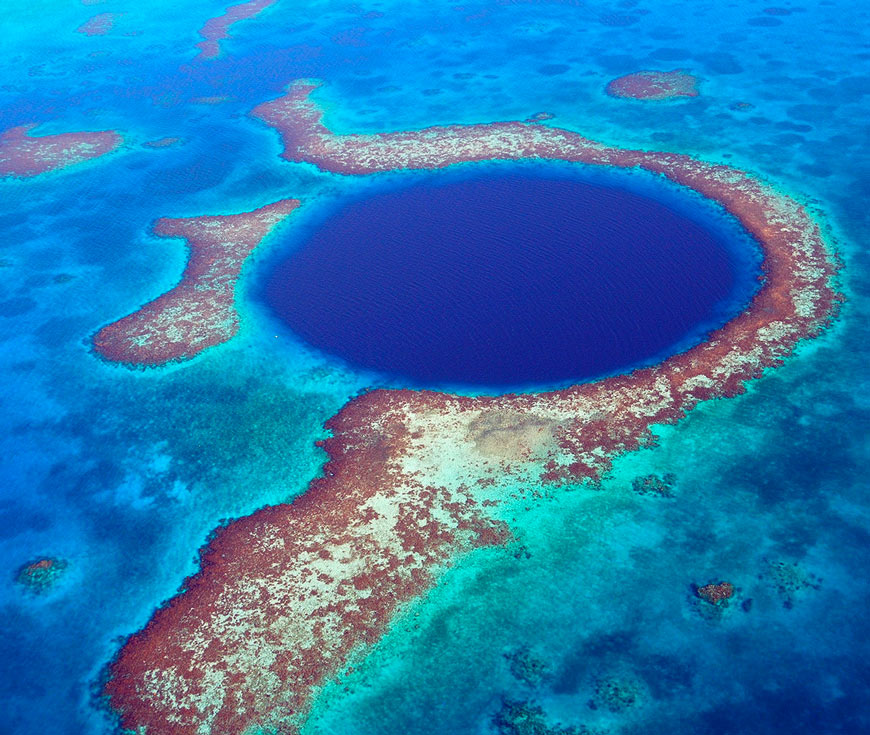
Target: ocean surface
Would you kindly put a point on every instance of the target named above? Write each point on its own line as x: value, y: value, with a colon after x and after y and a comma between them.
x: 125, y: 473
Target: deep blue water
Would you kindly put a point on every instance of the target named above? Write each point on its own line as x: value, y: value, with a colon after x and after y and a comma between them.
x: 508, y: 279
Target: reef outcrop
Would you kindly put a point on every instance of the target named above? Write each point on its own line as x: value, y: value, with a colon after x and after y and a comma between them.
x: 527, y: 718
x: 789, y: 580
x: 661, y: 486
x: 716, y: 593
x: 654, y: 85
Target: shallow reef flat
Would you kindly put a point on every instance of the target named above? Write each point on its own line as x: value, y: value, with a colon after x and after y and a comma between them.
x: 24, y: 155
x: 199, y: 312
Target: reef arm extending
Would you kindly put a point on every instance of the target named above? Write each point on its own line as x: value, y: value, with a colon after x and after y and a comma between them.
x: 199, y: 312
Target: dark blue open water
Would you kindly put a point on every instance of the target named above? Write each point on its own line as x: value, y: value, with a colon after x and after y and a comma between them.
x: 508, y: 279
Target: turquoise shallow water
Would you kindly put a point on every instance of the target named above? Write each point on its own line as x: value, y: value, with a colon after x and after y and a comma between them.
x: 126, y: 473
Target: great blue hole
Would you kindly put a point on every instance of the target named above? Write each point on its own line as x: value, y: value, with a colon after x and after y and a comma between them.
x: 510, y: 279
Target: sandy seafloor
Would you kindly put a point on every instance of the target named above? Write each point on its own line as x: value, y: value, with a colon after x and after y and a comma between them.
x: 124, y: 473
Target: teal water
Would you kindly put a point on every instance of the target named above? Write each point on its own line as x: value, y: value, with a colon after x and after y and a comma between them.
x: 126, y: 473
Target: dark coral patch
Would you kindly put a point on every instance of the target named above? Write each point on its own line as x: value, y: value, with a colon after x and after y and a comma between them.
x: 617, y: 693
x: 527, y: 668
x: 661, y: 486
x: 764, y: 22
x: 41, y: 575
x: 527, y: 718
x: 716, y: 593
x: 552, y: 70
x: 789, y: 580
x: 654, y: 85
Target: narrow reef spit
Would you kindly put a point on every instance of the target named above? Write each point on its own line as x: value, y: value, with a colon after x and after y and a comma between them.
x: 217, y: 29
x: 287, y: 595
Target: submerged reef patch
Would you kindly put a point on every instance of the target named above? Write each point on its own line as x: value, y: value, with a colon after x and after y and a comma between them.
x: 285, y: 596
x: 789, y: 580
x: 162, y: 142
x: 199, y: 312
x: 660, y: 486
x: 617, y: 693
x: 24, y: 155
x: 41, y: 575
x: 527, y: 718
x: 527, y: 668
x: 99, y: 25
x: 654, y: 85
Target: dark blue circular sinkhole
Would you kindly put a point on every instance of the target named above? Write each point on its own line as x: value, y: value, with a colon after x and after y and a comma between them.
x: 506, y: 280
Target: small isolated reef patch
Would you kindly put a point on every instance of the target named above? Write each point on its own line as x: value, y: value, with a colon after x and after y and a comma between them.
x: 527, y: 668
x: 41, y: 575
x: 617, y: 693
x: 714, y: 599
x: 789, y: 580
x: 99, y: 25
x: 654, y: 85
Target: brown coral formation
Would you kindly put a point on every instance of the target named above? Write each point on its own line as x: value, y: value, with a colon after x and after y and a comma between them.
x: 25, y: 155
x: 199, y: 312
x: 654, y: 85
x: 716, y: 594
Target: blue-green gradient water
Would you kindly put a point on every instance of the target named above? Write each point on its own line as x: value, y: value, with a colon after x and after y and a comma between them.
x: 125, y: 473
